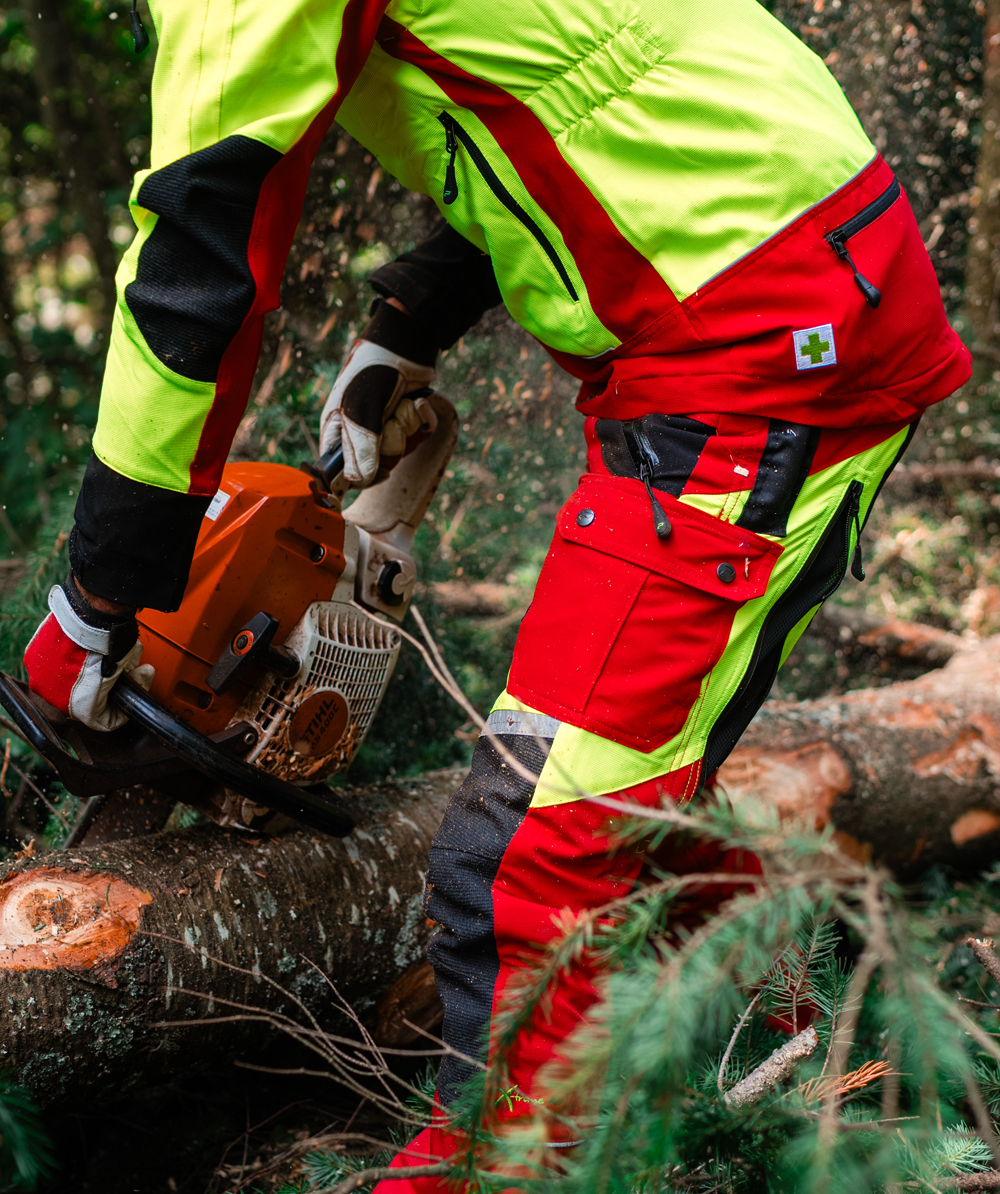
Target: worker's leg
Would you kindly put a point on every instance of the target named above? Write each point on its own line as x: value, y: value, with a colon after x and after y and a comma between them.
x: 514, y: 855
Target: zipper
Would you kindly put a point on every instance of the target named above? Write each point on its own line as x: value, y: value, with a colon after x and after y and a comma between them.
x: 454, y: 133
x: 644, y: 457
x: 837, y: 238
x: 854, y: 494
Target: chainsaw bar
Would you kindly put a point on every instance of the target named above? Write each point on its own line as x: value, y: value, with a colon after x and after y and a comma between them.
x: 154, y: 746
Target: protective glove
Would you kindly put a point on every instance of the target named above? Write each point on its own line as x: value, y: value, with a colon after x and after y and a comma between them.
x: 368, y: 411
x: 77, y: 654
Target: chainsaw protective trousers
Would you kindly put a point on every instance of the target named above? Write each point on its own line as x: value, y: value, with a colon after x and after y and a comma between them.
x: 638, y: 666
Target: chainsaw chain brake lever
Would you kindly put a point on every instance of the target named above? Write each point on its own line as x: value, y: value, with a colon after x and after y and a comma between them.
x: 251, y: 649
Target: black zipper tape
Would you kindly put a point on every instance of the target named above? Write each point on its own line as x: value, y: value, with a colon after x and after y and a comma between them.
x: 838, y: 237
x: 455, y: 133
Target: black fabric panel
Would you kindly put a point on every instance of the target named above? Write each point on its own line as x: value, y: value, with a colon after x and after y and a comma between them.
x: 132, y: 542
x: 193, y: 285
x: 614, y: 450
x: 784, y: 466
x: 400, y: 333
x: 446, y: 283
x: 671, y: 445
x: 465, y: 856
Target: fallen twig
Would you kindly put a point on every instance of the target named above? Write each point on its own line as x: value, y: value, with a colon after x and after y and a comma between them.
x: 732, y: 1040
x: 3, y: 771
x: 364, y: 1176
x: 775, y: 1070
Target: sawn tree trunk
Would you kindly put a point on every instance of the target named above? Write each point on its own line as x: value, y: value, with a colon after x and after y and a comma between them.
x: 98, y: 946
x: 908, y: 774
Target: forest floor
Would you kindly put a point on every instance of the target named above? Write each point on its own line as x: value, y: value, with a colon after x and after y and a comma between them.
x: 215, y: 1131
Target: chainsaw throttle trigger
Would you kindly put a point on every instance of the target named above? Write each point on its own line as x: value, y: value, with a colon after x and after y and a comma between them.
x: 250, y: 649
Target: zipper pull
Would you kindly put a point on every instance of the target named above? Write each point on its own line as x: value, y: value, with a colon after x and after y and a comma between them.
x: 873, y: 296
x: 451, y: 144
x: 661, y: 524
x: 857, y: 563
x: 140, y: 38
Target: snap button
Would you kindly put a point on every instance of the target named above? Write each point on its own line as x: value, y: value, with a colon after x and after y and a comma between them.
x: 586, y: 517
x: 726, y: 573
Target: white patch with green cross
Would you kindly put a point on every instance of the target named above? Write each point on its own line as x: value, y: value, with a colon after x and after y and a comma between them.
x: 814, y: 347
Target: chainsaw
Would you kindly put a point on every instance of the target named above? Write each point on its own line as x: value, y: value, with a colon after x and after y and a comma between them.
x: 269, y: 675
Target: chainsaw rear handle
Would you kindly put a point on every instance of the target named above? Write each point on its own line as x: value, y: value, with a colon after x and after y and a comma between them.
x: 202, y: 754
x: 327, y: 470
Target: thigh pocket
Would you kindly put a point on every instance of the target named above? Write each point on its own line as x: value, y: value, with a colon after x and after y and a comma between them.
x: 624, y: 626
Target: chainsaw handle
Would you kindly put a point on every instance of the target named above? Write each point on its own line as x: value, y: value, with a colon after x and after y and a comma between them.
x: 327, y: 469
x: 203, y: 754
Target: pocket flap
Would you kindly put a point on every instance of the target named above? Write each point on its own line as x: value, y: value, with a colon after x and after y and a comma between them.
x: 694, y: 552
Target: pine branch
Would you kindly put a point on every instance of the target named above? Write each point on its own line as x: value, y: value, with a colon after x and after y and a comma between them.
x: 775, y: 1070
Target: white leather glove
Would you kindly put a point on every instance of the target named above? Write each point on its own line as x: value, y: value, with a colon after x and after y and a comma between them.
x: 369, y: 413
x: 77, y: 654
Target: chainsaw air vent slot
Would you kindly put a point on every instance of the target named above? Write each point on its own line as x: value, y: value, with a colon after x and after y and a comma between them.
x: 190, y: 694
x: 342, y: 652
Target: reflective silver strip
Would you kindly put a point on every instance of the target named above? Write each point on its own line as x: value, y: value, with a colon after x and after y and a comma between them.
x: 527, y: 725
x: 91, y: 638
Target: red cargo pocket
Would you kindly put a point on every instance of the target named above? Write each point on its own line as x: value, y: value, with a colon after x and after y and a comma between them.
x: 624, y: 626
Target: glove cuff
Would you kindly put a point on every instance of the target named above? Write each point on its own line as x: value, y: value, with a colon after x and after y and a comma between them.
x: 400, y: 333
x: 113, y: 635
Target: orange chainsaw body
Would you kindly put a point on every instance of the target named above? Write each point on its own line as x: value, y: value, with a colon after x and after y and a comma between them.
x: 266, y: 543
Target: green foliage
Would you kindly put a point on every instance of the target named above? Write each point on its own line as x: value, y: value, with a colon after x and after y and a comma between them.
x: 75, y: 124
x: 24, y: 1146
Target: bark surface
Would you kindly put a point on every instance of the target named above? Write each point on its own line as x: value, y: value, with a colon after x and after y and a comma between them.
x: 908, y: 774
x: 100, y: 945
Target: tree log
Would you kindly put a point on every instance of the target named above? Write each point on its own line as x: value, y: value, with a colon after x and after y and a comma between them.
x: 908, y: 774
x: 98, y: 946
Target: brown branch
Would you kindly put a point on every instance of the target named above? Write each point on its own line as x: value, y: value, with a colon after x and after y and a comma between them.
x: 775, y: 1070
x: 983, y: 950
x: 954, y: 470
x: 364, y: 1176
x: 989, y: 1179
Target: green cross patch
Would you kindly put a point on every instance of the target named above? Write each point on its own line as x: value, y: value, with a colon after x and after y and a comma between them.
x: 814, y: 347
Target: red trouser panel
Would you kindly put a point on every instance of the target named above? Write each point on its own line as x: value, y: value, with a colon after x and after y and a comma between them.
x: 565, y: 859
x: 596, y: 665
x: 740, y: 441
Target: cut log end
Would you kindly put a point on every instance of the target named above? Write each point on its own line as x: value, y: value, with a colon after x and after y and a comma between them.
x: 52, y: 918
